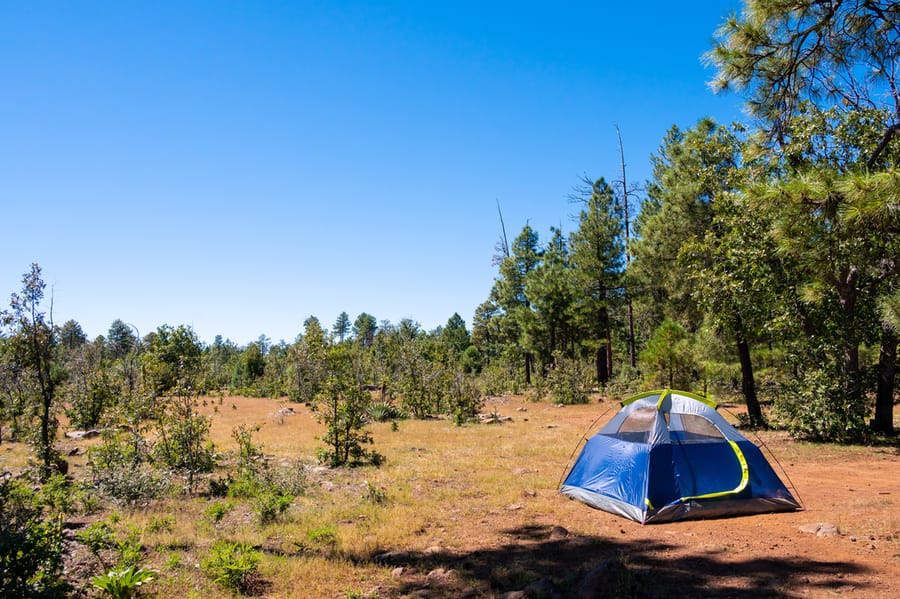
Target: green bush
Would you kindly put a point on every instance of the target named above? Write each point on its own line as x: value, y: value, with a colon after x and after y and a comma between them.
x: 31, y: 544
x: 120, y: 468
x: 233, y: 566
x: 814, y: 406
x: 98, y: 537
x: 569, y: 381
x: 270, y: 504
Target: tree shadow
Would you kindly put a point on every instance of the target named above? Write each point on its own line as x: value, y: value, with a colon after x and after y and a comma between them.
x: 547, y: 562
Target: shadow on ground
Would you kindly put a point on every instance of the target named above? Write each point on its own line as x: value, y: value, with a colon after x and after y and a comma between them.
x: 547, y: 562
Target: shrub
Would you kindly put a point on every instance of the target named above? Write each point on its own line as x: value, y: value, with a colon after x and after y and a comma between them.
x: 97, y: 537
x: 233, y: 566
x: 120, y: 470
x: 31, y: 545
x: 569, y: 383
x: 814, y: 406
x: 465, y: 399
x: 217, y: 510
x: 270, y: 504
x: 183, y: 443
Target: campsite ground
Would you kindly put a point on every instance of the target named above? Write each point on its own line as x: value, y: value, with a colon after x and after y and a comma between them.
x: 473, y: 511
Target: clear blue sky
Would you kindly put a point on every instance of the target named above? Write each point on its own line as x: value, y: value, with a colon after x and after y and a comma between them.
x: 240, y: 166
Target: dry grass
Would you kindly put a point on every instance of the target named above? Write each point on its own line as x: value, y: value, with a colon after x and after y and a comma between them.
x: 471, y: 510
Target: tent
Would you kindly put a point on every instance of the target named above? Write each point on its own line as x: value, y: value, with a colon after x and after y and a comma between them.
x: 669, y: 455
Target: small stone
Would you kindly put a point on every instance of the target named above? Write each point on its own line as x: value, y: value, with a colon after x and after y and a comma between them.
x: 397, y: 572
x: 558, y: 532
x: 852, y: 539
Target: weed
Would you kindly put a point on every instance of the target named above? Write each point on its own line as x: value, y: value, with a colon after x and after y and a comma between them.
x: 323, y: 538
x: 271, y: 504
x: 374, y: 494
x: 217, y: 510
x: 129, y: 548
x: 233, y: 566
x: 161, y: 524
x: 97, y: 537
x: 123, y: 584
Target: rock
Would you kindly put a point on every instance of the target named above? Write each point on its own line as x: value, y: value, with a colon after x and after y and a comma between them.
x: 391, y: 558
x: 514, y: 595
x: 515, y: 507
x: 83, y: 434
x: 821, y: 529
x: 397, y: 572
x: 439, y: 575
x: 558, y: 532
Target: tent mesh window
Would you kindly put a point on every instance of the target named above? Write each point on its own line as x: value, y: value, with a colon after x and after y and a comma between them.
x: 638, y: 425
x: 694, y: 429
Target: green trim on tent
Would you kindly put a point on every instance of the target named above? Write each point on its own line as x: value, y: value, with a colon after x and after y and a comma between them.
x: 634, y: 398
x: 664, y: 392
x: 745, y: 477
x: 662, y: 398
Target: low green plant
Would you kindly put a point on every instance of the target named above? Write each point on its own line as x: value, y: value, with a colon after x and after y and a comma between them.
x: 323, y: 538
x: 129, y: 548
x: 233, y: 566
x: 217, y: 510
x: 270, y: 504
x: 31, y: 543
x: 161, y: 524
x: 374, y: 494
x: 382, y: 411
x: 97, y: 537
x: 123, y: 584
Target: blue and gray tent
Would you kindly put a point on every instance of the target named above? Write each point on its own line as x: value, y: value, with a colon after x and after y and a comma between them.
x: 669, y: 455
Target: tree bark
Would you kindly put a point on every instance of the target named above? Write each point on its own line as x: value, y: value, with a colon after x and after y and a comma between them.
x: 748, y: 384
x: 887, y: 369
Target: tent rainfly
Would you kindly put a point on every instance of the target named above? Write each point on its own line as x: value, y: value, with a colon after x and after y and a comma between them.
x: 669, y: 455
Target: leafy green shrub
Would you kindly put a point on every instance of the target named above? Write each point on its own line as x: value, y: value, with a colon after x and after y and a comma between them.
x: 161, y: 524
x: 31, y: 544
x: 183, y: 439
x: 814, y: 406
x: 97, y: 537
x: 465, y: 399
x: 270, y: 504
x: 569, y: 382
x: 120, y: 470
x: 217, y: 510
x: 233, y: 566
x: 129, y: 548
x: 58, y: 494
x: 123, y: 584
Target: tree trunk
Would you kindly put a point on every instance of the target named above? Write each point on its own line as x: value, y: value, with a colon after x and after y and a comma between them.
x: 602, y: 372
x: 887, y: 368
x: 529, y: 358
x: 748, y: 384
